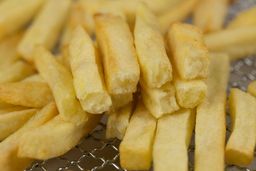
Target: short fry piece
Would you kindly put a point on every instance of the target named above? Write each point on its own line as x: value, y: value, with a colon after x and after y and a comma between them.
x: 188, y: 51
x: 241, y: 143
x: 45, y: 29
x: 29, y: 94
x: 120, y: 100
x: 252, y: 88
x: 210, y: 128
x: 34, y: 78
x: 120, y: 63
x: 10, y: 122
x: 136, y: 147
x: 118, y: 122
x: 173, y: 137
x: 86, y: 69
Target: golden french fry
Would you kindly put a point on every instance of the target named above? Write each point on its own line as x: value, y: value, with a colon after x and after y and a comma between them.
x: 237, y: 43
x: 10, y: 122
x: 252, y: 88
x: 241, y: 144
x: 159, y: 101
x: 173, y: 137
x: 120, y: 100
x: 45, y: 29
x: 29, y: 94
x: 190, y: 93
x: 136, y: 147
x: 12, y: 108
x: 118, y: 122
x: 9, y: 160
x: 120, y: 63
x: 34, y: 78
x: 210, y: 131
x: 16, y: 72
x: 14, y: 16
x: 88, y: 79
x: 188, y: 51
x: 244, y: 19
x: 178, y: 13
x: 209, y: 15
x: 60, y: 82
x: 156, y: 69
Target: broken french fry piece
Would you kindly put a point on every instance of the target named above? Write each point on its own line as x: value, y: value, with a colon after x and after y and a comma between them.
x: 136, y: 147
x: 45, y: 29
x: 188, y: 51
x: 86, y: 69
x: 252, y: 88
x: 120, y: 63
x: 120, y: 100
x: 210, y: 131
x: 173, y: 137
x: 241, y: 143
x: 118, y: 121
x: 156, y: 69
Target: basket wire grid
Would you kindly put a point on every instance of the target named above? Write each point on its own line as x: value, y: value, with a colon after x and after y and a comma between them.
x: 95, y: 153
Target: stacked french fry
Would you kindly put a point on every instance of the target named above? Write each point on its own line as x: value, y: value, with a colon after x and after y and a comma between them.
x: 64, y: 64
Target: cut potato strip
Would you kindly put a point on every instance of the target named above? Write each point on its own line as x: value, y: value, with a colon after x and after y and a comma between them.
x: 210, y: 128
x: 252, y: 88
x: 45, y: 29
x: 120, y: 63
x: 241, y: 144
x: 173, y: 135
x: 136, y: 147
x: 10, y: 122
x: 34, y: 78
x: 12, y: 109
x: 120, y: 100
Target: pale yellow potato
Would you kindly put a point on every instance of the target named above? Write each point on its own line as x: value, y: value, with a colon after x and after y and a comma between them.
x: 14, y: 16
x: 54, y: 138
x: 190, y: 93
x: 241, y: 143
x: 244, y: 19
x: 45, y: 29
x: 87, y: 77
x: 9, y: 160
x: 210, y: 15
x: 159, y: 101
x: 34, y: 78
x: 16, y: 72
x: 118, y: 121
x: 173, y: 135
x: 210, y: 131
x: 119, y: 57
x: 178, y: 13
x: 10, y: 122
x: 120, y: 100
x: 28, y: 94
x: 11, y: 109
x: 137, y: 145
x: 188, y: 51
x: 156, y: 69
x: 237, y: 42
x: 252, y: 88
x: 60, y: 82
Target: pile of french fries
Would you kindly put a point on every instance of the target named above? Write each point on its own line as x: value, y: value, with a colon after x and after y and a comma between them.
x: 157, y: 79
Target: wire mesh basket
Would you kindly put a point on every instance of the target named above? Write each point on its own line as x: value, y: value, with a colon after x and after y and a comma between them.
x: 95, y: 153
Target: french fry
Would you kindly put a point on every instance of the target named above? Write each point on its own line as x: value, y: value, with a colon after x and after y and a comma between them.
x: 28, y: 94
x: 178, y: 13
x: 241, y: 144
x: 16, y: 72
x: 210, y: 131
x: 252, y: 88
x: 14, y: 16
x: 12, y: 109
x: 9, y: 160
x: 45, y: 29
x: 120, y: 100
x: 237, y: 43
x: 159, y: 101
x: 244, y: 19
x: 156, y: 69
x: 120, y: 63
x: 188, y: 51
x: 173, y: 137
x: 136, y: 147
x: 118, y: 121
x: 190, y: 93
x: 86, y: 69
x: 60, y: 82
x: 209, y: 15
x: 10, y: 122
x: 34, y: 78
